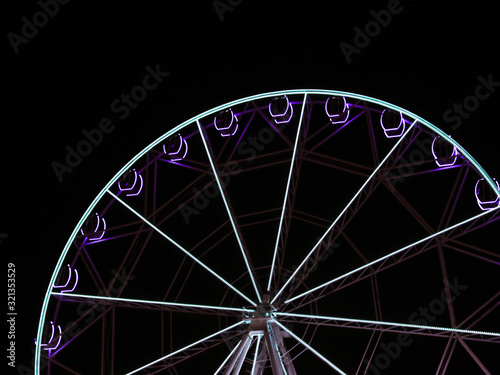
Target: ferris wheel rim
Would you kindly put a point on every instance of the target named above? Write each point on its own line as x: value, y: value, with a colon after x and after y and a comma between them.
x: 195, y: 119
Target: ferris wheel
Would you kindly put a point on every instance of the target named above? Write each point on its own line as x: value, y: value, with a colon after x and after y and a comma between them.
x: 291, y: 232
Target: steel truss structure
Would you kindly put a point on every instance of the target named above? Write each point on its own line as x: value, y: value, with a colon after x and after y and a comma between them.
x: 279, y: 233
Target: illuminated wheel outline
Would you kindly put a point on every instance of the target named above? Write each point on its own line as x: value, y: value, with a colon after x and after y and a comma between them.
x: 269, y: 321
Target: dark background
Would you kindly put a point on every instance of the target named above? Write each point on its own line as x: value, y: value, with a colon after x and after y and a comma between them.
x: 64, y: 79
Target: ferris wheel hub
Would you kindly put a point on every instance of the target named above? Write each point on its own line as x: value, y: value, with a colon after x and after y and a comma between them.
x: 259, y: 317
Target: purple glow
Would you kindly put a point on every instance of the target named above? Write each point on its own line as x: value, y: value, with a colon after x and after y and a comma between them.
x: 181, y: 151
x: 74, y: 285
x: 230, y: 134
x: 46, y: 346
x: 390, y: 130
x: 58, y: 339
x: 283, y: 116
x: 102, y: 232
x: 444, y: 161
x: 67, y: 282
x: 131, y: 191
x: 51, y: 336
x: 127, y: 182
x: 486, y: 201
x: 97, y: 225
x: 216, y: 123
x: 138, y: 190
x: 232, y: 125
x: 341, y: 116
x: 171, y: 145
x: 99, y: 219
x: 341, y: 119
x: 63, y: 346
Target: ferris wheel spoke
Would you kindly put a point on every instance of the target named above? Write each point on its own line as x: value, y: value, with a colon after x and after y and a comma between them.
x: 393, y: 257
x: 474, y: 356
x: 445, y: 358
x: 150, y: 304
x: 208, y: 341
x: 239, y: 355
x: 287, y: 189
x: 230, y: 355
x: 310, y: 348
x: 367, y: 181
x: 370, y: 350
x: 256, y: 355
x: 383, y: 326
x: 482, y: 311
x: 229, y: 211
x: 182, y: 249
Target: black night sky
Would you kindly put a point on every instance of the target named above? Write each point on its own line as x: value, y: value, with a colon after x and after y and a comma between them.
x: 72, y: 73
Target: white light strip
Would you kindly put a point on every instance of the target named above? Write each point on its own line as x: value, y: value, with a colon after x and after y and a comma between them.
x: 256, y: 354
x: 388, y: 256
x: 149, y: 302
x: 310, y: 348
x: 344, y: 210
x: 185, y: 348
x: 272, y: 338
x: 227, y: 358
x: 292, y: 164
x: 181, y: 248
x: 209, y: 154
x: 406, y: 325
